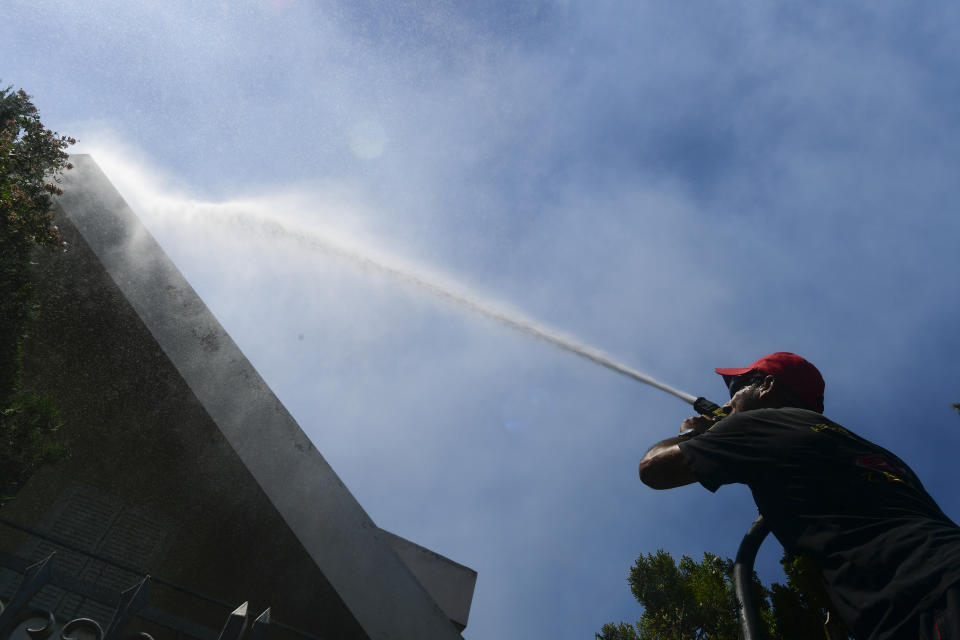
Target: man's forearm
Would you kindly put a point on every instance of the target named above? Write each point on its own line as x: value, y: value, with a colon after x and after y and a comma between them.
x: 659, y: 448
x: 664, y: 467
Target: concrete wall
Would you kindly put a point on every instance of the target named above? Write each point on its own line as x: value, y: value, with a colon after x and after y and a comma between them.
x: 166, y: 418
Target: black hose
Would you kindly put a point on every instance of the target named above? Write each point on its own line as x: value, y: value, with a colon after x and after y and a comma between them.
x: 750, y: 623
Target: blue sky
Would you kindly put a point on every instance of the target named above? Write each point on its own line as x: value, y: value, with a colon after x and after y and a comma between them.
x: 682, y: 185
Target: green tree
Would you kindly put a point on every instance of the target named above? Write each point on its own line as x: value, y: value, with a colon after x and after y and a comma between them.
x: 690, y: 600
x: 622, y: 631
x: 32, y: 159
x: 802, y: 607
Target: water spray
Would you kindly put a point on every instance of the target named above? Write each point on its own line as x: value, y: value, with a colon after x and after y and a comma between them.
x: 274, y: 228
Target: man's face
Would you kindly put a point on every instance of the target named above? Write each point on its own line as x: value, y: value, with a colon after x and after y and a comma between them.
x: 746, y: 394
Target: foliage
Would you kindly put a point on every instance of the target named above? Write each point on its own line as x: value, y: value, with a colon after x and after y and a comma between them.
x: 685, y: 599
x: 802, y: 605
x: 31, y: 161
x: 29, y: 433
x: 696, y: 601
x: 32, y: 158
x: 622, y: 631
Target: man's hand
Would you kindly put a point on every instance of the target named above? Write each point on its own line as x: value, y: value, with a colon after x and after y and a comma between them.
x: 700, y: 424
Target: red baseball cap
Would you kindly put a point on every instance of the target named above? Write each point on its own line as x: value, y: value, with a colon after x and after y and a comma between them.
x: 798, y: 375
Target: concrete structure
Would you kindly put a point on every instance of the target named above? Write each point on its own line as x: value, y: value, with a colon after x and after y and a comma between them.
x: 174, y: 433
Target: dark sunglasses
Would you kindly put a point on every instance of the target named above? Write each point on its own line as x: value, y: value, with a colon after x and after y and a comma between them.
x: 740, y: 382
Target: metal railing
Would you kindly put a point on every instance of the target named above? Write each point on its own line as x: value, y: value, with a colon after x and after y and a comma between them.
x: 40, y: 623
x: 22, y: 617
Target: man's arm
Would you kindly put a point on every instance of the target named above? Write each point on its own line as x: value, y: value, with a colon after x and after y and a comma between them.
x: 663, y: 466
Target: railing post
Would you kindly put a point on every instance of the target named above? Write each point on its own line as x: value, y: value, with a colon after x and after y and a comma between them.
x: 131, y: 602
x: 750, y: 623
x: 236, y: 624
x: 16, y: 611
x: 259, y: 626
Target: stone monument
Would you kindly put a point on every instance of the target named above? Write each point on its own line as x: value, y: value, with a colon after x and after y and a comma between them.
x: 184, y: 465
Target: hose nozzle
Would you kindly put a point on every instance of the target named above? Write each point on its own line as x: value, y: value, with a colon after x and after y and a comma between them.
x: 704, y: 407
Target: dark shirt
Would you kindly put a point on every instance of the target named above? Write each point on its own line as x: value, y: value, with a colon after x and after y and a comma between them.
x: 886, y: 550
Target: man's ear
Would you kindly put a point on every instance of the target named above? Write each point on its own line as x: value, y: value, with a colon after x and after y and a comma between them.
x: 767, y: 387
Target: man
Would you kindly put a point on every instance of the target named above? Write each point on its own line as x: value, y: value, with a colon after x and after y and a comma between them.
x: 889, y: 557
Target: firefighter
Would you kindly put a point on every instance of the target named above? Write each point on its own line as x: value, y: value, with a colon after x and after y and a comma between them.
x: 888, y: 555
